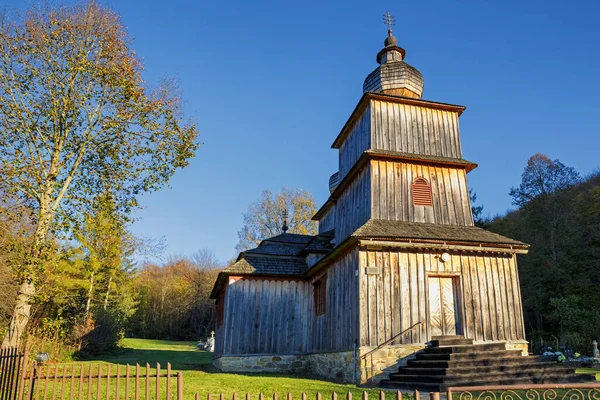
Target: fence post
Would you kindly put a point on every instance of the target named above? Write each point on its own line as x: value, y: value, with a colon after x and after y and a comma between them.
x: 147, y: 381
x: 127, y: 381
x: 118, y: 386
x: 434, y: 395
x: 98, y: 383
x: 179, y: 385
x: 157, y: 381
x: 168, y: 381
x: 137, y: 381
x: 33, y: 376
x: 23, y: 375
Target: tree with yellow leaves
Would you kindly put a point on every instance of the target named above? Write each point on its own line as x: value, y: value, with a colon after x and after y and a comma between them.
x: 264, y: 217
x: 77, y: 120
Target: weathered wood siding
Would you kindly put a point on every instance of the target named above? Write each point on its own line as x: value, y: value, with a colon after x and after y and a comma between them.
x: 396, y: 297
x: 357, y: 141
x: 266, y: 317
x: 353, y: 207
x: 327, y: 223
x: 337, y: 329
x: 391, y: 194
x: 413, y: 129
x: 219, y: 340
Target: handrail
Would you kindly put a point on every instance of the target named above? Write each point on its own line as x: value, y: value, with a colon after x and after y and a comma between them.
x: 391, y: 339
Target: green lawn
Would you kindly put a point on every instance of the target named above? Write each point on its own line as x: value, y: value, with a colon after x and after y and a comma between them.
x: 589, y: 371
x: 199, y: 376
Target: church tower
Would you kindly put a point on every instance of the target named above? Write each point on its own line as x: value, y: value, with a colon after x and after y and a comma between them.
x: 400, y: 200
x: 400, y: 157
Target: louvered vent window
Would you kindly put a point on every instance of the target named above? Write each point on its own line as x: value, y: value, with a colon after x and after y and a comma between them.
x: 421, y: 191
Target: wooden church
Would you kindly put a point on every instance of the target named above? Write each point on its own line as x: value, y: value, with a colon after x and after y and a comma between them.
x: 398, y: 280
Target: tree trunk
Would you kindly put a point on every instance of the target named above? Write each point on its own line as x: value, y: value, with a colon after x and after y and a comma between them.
x: 88, y: 303
x: 107, y: 292
x: 20, y: 317
x: 22, y: 310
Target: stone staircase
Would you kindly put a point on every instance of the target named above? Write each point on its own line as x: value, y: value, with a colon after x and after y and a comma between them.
x: 456, y: 361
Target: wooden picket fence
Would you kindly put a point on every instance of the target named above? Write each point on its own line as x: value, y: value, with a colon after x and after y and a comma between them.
x: 24, y: 380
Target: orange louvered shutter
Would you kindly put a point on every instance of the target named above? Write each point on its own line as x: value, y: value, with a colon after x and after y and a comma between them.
x: 421, y: 192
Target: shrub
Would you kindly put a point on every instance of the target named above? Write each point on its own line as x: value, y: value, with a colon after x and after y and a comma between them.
x: 105, y: 334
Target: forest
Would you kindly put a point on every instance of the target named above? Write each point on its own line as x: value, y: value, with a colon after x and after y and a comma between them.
x: 558, y: 215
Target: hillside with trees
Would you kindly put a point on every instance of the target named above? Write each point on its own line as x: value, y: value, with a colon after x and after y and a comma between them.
x: 558, y: 214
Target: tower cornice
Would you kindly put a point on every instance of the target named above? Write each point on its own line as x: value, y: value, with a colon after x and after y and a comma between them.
x: 412, y: 158
x: 367, y: 97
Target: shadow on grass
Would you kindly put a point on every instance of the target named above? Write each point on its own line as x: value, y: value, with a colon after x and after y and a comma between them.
x: 180, y: 360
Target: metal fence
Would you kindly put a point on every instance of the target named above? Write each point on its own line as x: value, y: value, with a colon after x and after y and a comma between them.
x: 566, y: 391
x: 11, y: 365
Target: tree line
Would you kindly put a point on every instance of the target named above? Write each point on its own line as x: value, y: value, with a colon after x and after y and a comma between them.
x: 558, y: 214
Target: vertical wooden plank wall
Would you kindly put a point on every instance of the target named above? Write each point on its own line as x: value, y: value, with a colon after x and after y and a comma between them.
x: 353, y: 208
x: 414, y: 129
x: 327, y: 223
x: 336, y: 330
x: 267, y: 317
x: 392, y: 193
x: 357, y: 141
x: 219, y: 340
x: 395, y: 298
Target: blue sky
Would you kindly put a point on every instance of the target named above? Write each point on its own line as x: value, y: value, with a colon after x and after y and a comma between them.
x: 270, y: 84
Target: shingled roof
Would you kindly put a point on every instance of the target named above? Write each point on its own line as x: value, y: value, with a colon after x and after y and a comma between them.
x: 281, y: 255
x: 322, y: 243
x: 383, y: 229
x: 267, y: 265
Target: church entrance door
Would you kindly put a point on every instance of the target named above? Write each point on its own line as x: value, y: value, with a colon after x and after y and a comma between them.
x: 444, y: 316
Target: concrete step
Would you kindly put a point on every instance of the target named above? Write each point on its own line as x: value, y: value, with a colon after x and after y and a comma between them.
x: 471, y: 356
x: 472, y: 369
x: 440, y: 341
x: 498, y: 361
x: 465, y: 348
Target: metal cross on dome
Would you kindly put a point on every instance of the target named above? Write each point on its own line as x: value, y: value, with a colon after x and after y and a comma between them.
x: 389, y: 20
x: 284, y: 214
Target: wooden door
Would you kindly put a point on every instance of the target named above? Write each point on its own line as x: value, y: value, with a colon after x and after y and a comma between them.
x: 443, y: 306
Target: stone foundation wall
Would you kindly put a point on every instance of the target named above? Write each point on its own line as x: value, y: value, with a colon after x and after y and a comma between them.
x: 287, y: 364
x: 337, y: 366
x: 343, y: 366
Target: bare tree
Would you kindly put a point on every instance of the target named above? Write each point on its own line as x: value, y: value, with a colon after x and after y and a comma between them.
x: 264, y: 217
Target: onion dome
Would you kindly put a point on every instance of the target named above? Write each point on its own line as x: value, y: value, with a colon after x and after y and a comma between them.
x: 394, y: 76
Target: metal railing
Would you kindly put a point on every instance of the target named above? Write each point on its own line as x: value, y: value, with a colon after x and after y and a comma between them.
x: 387, y: 342
x: 562, y: 391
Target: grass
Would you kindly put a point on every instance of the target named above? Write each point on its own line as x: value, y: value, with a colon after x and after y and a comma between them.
x: 200, y: 377
x: 589, y: 371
